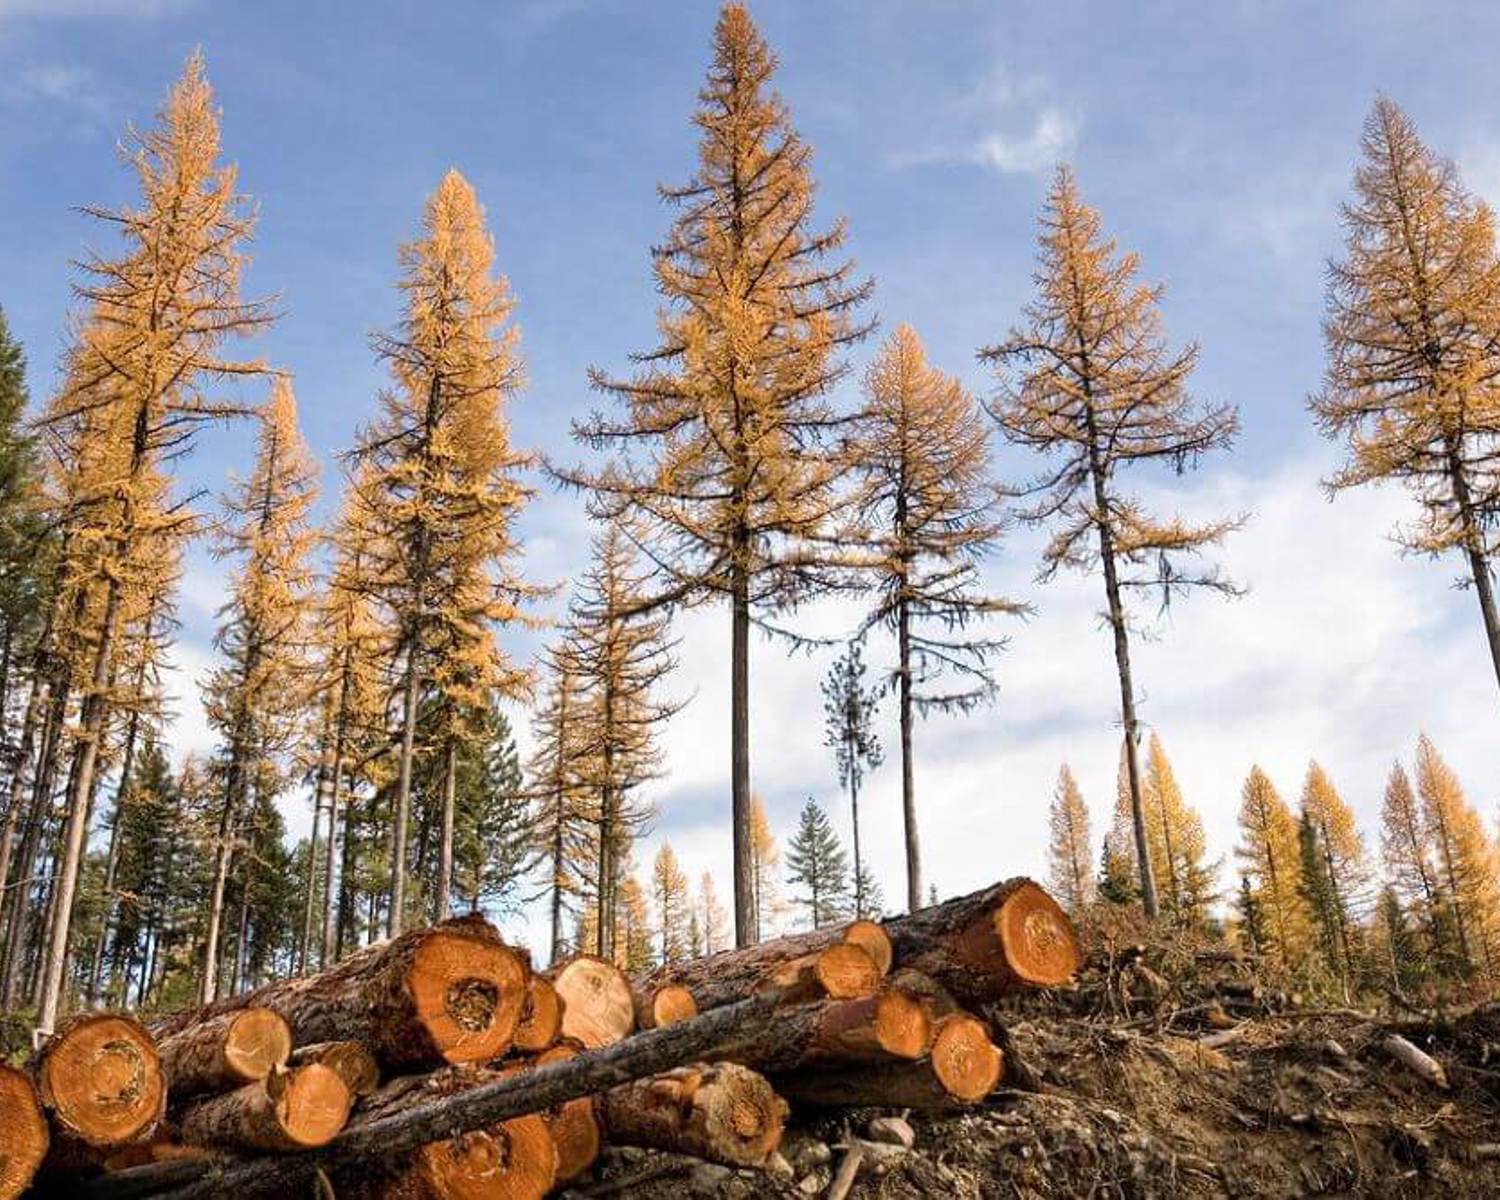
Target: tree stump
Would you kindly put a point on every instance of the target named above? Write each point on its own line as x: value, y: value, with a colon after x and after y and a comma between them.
x: 1008, y: 936
x: 294, y: 1109
x: 224, y: 1052
x: 23, y: 1132
x: 723, y: 1112
x: 598, y: 1008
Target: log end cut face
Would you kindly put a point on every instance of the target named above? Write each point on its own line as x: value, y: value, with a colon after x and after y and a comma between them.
x: 846, y: 970
x: 468, y: 993
x: 598, y: 1008
x: 23, y: 1132
x: 516, y: 1159
x: 874, y: 940
x: 965, y: 1061
x: 102, y: 1080
x: 742, y: 1115
x: 311, y: 1104
x: 671, y: 1003
x: 1037, y: 939
x: 541, y: 1016
x: 257, y: 1041
x: 575, y: 1133
x: 902, y: 1026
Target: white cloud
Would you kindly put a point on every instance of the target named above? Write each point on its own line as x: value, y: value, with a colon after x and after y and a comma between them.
x: 1016, y: 129
x: 54, y: 83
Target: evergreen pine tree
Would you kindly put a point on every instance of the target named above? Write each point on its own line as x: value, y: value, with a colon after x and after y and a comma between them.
x: 848, y: 715
x: 816, y: 861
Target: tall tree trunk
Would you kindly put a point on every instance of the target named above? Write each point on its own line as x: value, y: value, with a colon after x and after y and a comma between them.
x: 309, y: 899
x: 745, y: 917
x: 908, y: 778
x: 335, y: 793
x: 234, y: 786
x: 240, y: 980
x: 1479, y: 567
x: 92, y: 720
x: 445, y: 849
x: 859, y: 874
x: 112, y: 858
x: 14, y: 789
x: 403, y: 785
x: 348, y: 902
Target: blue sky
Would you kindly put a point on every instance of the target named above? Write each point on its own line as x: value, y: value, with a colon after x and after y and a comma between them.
x: 1216, y: 139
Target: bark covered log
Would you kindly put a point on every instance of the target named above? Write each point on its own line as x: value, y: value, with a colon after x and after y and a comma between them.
x: 296, y: 1109
x: 449, y: 993
x: 514, y: 1158
x: 963, y: 1067
x: 980, y: 946
x: 722, y: 1112
x: 791, y: 963
x: 23, y: 1132
x: 102, y: 1086
x: 597, y: 1006
x: 225, y: 1052
x: 887, y: 1025
x: 355, y: 1065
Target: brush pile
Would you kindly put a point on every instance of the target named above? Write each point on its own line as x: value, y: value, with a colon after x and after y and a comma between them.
x: 440, y: 1064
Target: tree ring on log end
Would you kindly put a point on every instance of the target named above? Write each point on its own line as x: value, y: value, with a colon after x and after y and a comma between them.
x: 468, y: 994
x: 257, y: 1041
x: 672, y: 1002
x: 575, y: 1132
x: 846, y: 971
x: 965, y: 1061
x: 103, y: 1081
x: 312, y: 1104
x: 744, y: 1119
x: 874, y: 940
x: 515, y: 1159
x: 541, y: 1016
x: 902, y: 1026
x: 1036, y: 937
x: 598, y: 1008
x: 23, y: 1132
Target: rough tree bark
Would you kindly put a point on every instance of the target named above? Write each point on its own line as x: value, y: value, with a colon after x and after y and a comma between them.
x: 724, y: 1113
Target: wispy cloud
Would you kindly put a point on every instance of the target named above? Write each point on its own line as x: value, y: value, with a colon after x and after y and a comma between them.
x: 59, y: 85
x: 1016, y: 128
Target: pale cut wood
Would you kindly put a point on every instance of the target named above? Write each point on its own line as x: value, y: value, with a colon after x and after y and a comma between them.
x: 721, y: 1112
x: 353, y: 1061
x: 290, y: 1109
x: 980, y: 946
x: 1415, y: 1060
x: 101, y: 1084
x: 449, y: 993
x: 23, y: 1132
x: 224, y: 1052
x: 663, y: 1005
x: 598, y: 1008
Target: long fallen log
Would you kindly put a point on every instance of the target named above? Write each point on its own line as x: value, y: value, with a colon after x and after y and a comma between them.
x: 964, y: 1067
x: 803, y: 966
x: 294, y: 1109
x: 980, y: 946
x: 721, y: 1112
x: 224, y: 1052
x: 449, y: 993
x: 708, y: 1036
x: 23, y: 1132
x: 101, y: 1084
x: 888, y: 1025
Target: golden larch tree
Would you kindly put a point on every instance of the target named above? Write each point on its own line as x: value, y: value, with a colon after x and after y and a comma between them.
x: 1465, y: 860
x: 255, y: 697
x: 930, y: 515
x: 633, y: 951
x: 1070, y: 853
x: 669, y: 889
x: 725, y: 453
x: 1413, y: 336
x: 1346, y: 867
x: 1174, y: 833
x: 1407, y: 850
x: 622, y: 655
x: 765, y: 859
x: 1269, y: 848
x: 443, y: 491
x: 159, y: 314
x: 1090, y: 381
x: 711, y: 916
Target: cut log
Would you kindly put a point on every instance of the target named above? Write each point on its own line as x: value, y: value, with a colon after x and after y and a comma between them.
x: 724, y: 1113
x: 731, y: 975
x: 661, y: 1005
x: 449, y: 993
x: 23, y: 1132
x: 355, y: 1065
x: 574, y: 1124
x: 101, y: 1083
x: 1012, y: 935
x: 598, y: 1008
x: 514, y: 1158
x: 225, y: 1052
x: 360, y: 1148
x: 887, y: 1025
x: 541, y: 1016
x: 964, y: 1067
x: 842, y: 971
x: 290, y: 1109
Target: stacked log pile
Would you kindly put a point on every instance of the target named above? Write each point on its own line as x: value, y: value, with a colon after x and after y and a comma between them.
x: 441, y: 1065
